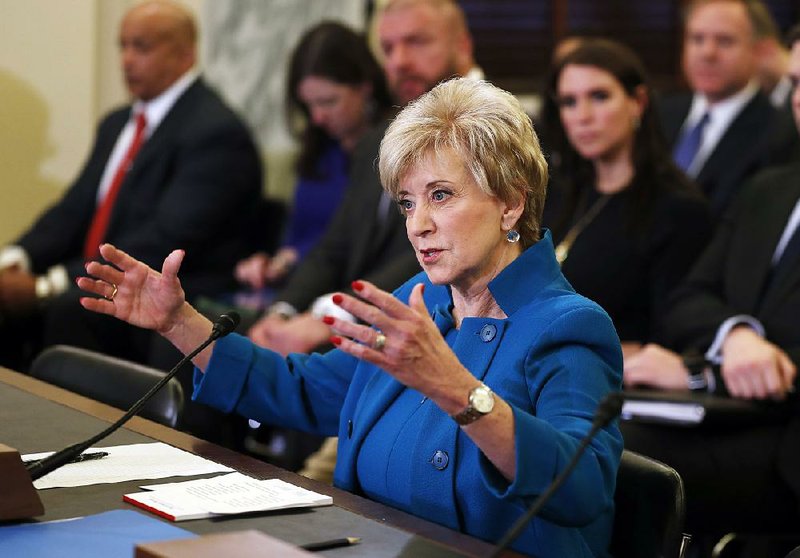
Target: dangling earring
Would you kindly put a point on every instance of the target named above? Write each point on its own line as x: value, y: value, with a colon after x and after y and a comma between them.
x: 512, y: 236
x: 635, y: 123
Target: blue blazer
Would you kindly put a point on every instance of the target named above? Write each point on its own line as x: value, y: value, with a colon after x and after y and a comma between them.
x: 553, y: 359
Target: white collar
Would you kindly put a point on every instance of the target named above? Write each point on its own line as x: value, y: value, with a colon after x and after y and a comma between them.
x: 155, y: 110
x: 722, y: 112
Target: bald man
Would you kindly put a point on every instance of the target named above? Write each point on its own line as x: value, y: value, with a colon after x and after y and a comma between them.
x: 175, y: 169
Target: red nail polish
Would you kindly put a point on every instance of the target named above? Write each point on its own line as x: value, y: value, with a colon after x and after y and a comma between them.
x: 336, y: 340
x: 357, y: 285
x: 327, y: 320
x: 337, y: 299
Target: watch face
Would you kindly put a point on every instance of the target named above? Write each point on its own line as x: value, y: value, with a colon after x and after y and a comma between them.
x: 482, y: 399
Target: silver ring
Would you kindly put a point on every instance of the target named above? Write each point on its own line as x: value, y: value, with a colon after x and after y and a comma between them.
x: 110, y: 297
x: 380, y: 342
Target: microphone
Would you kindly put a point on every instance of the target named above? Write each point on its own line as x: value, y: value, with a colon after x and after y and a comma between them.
x: 225, y: 324
x: 608, y: 409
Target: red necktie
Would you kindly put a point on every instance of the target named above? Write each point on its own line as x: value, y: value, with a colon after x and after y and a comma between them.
x: 102, y: 215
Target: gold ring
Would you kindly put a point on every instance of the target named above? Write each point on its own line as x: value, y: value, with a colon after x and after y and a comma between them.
x: 113, y: 293
x: 380, y: 342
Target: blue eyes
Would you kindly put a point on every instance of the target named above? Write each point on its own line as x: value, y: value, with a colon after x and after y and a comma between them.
x: 437, y: 196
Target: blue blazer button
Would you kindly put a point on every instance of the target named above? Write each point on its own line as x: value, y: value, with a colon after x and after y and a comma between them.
x: 488, y: 332
x: 440, y: 460
x: 349, y: 428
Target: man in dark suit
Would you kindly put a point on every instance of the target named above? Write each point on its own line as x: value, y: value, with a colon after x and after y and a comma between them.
x: 726, y: 129
x: 423, y: 42
x: 738, y: 309
x: 177, y: 169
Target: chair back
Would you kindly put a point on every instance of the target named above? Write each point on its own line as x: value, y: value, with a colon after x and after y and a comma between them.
x: 650, y: 509
x: 116, y: 382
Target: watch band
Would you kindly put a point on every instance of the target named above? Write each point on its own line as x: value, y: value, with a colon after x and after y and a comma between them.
x: 467, y: 416
x: 699, y: 370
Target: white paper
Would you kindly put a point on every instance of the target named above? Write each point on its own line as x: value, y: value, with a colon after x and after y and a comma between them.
x: 687, y: 413
x: 124, y: 463
x: 234, y: 493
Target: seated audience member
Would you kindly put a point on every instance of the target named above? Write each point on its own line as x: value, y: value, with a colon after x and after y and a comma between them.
x: 737, y: 309
x: 176, y: 169
x: 423, y: 42
x: 626, y: 222
x: 489, y: 351
x: 725, y: 130
x: 337, y: 90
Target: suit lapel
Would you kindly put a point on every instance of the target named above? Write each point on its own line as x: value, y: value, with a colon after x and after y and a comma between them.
x: 168, y: 128
x: 369, y: 235
x: 740, y: 147
x: 784, y: 204
x: 155, y: 147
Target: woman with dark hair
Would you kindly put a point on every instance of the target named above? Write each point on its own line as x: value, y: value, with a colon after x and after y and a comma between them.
x: 335, y: 93
x: 626, y: 222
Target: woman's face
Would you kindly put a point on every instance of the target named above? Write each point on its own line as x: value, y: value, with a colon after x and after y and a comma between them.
x: 457, y: 230
x: 599, y: 118
x: 339, y: 109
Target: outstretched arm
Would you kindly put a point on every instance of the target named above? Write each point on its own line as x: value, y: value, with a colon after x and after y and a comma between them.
x: 135, y: 293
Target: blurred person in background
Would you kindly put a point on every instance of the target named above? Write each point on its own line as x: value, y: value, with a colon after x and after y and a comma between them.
x: 626, y: 221
x: 175, y: 169
x: 336, y: 92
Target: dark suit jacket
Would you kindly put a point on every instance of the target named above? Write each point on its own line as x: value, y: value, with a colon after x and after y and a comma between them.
x: 757, y: 137
x: 729, y: 277
x: 193, y: 185
x: 358, y: 244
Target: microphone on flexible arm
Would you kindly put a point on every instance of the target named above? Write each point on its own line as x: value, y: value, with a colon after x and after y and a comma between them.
x: 224, y: 325
x: 608, y: 409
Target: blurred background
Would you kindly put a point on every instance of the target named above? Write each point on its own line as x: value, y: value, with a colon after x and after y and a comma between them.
x: 59, y: 71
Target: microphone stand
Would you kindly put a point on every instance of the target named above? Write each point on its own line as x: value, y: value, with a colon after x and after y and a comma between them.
x: 225, y: 324
x: 608, y: 409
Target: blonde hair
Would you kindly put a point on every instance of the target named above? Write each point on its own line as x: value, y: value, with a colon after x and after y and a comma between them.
x: 486, y: 128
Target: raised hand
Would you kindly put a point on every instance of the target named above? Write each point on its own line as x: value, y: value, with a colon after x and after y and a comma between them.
x: 132, y: 291
x: 404, y: 342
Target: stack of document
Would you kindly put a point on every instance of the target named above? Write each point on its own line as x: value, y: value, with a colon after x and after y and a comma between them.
x: 230, y: 494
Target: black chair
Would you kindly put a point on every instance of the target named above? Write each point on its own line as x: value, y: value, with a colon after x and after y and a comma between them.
x: 761, y: 545
x: 650, y: 510
x: 116, y: 382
